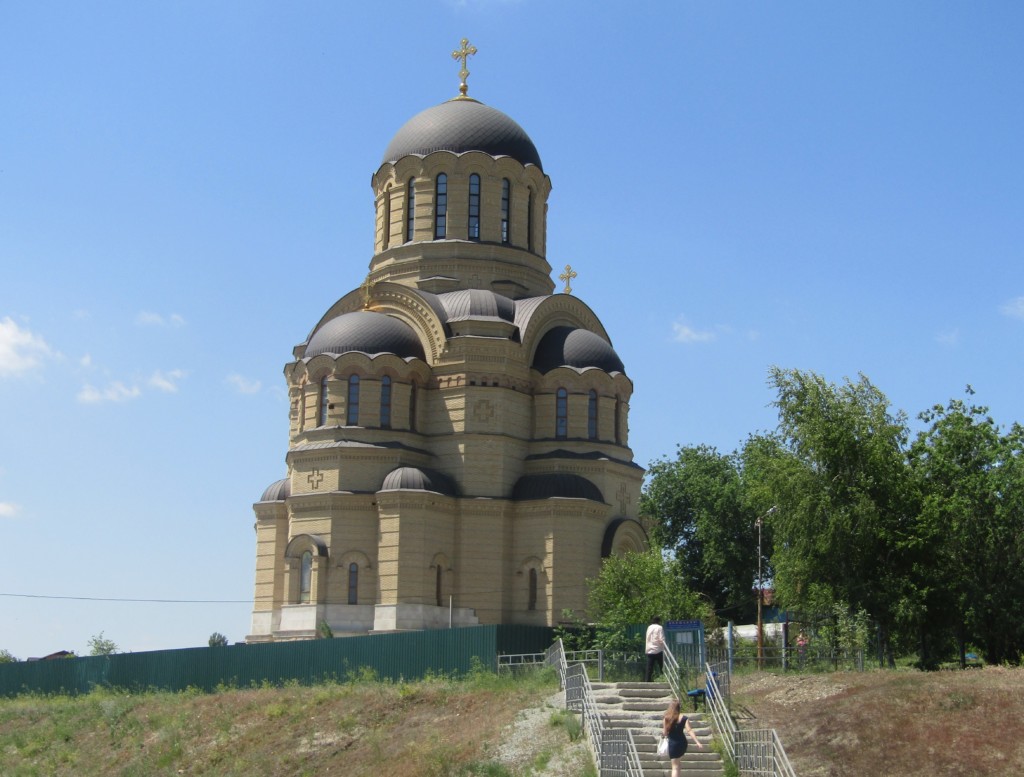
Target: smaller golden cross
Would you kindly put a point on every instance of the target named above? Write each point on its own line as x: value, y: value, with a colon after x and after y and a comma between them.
x: 367, y: 291
x: 464, y: 53
x: 567, y: 276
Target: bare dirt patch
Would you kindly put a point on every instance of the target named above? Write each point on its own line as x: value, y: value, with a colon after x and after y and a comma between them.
x: 899, y: 723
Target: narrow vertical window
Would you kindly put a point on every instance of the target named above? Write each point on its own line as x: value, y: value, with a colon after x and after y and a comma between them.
x: 410, y: 210
x: 385, y: 402
x: 592, y: 415
x: 412, y: 407
x: 618, y: 421
x: 440, y: 207
x: 386, y: 237
x: 474, y: 207
x: 506, y: 189
x: 562, y: 414
x: 438, y: 580
x: 532, y: 603
x: 305, y: 577
x: 323, y: 404
x: 352, y: 406
x: 529, y: 221
x: 353, y: 583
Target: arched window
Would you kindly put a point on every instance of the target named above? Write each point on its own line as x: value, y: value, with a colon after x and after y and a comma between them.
x: 385, y: 402
x: 305, y: 577
x: 352, y: 406
x: 618, y: 421
x: 410, y: 210
x: 412, y: 407
x: 506, y: 190
x: 529, y: 221
x: 532, y: 602
x: 592, y: 415
x: 323, y: 404
x: 438, y: 581
x: 440, y: 207
x: 474, y: 207
x: 561, y: 414
x: 386, y: 237
x: 353, y: 583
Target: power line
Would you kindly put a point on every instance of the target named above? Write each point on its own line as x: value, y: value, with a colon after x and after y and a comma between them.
x: 123, y: 599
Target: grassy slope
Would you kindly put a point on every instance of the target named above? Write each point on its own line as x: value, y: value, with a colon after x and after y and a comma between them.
x: 434, y: 729
x: 845, y: 724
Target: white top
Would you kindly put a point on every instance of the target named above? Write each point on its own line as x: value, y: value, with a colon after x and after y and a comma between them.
x: 655, y: 638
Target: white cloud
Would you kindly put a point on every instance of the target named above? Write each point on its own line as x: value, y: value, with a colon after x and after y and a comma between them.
x: 166, y: 381
x: 682, y: 333
x: 85, y: 361
x: 148, y: 318
x: 8, y: 510
x: 20, y: 349
x: 1014, y: 308
x: 114, y: 392
x: 950, y: 338
x: 243, y: 385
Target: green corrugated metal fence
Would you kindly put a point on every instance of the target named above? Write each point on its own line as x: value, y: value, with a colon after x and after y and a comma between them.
x: 408, y: 655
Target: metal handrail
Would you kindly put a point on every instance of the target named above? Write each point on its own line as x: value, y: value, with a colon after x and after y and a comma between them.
x: 756, y: 752
x: 759, y: 752
x: 614, y: 749
x: 671, y: 671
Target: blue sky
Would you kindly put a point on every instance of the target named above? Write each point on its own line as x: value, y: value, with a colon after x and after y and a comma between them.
x: 185, y: 189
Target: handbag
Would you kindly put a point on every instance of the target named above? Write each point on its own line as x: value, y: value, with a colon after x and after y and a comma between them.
x: 663, y: 746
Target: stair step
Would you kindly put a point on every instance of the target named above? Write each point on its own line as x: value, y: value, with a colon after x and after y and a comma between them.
x: 639, y: 707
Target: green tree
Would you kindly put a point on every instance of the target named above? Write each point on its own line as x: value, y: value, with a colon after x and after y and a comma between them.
x: 697, y: 507
x: 971, y: 476
x: 836, y: 472
x: 101, y: 646
x: 632, y: 588
x: 6, y: 657
x: 217, y: 640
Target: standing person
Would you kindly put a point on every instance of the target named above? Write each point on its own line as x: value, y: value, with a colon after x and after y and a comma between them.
x: 654, y: 648
x: 801, y: 648
x: 675, y: 726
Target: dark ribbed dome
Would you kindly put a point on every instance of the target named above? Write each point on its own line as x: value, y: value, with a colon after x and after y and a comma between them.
x: 461, y: 125
x: 565, y: 346
x: 552, y: 485
x: 416, y: 479
x: 367, y: 332
x: 277, y: 491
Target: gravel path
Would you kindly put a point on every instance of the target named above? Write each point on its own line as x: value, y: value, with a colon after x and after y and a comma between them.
x: 532, y: 735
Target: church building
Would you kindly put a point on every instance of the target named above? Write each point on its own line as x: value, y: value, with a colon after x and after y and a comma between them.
x: 458, y: 430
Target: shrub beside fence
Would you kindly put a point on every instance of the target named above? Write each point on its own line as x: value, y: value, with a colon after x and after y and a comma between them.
x: 406, y: 655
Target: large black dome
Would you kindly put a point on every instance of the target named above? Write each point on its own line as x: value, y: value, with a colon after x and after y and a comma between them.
x: 460, y: 125
x: 565, y: 346
x: 367, y: 332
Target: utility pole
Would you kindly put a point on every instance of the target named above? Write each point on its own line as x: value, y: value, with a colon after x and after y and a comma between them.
x: 760, y: 591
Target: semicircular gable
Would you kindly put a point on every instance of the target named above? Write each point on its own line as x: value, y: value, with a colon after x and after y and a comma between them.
x: 535, y: 316
x: 300, y: 543
x: 623, y: 535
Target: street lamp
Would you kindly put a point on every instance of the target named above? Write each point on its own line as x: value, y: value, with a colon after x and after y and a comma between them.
x: 760, y: 589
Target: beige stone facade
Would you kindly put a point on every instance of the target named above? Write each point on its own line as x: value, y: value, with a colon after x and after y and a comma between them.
x: 458, y: 448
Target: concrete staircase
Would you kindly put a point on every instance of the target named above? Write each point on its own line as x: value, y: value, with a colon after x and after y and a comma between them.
x: 640, y: 708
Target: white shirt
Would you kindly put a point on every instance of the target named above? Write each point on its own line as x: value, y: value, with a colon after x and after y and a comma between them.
x: 655, y: 638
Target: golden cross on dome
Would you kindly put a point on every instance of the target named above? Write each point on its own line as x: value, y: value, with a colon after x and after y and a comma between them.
x: 567, y: 276
x: 367, y: 291
x: 464, y: 53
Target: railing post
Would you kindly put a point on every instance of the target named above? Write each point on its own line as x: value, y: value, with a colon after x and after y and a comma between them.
x: 729, y: 645
x: 600, y: 665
